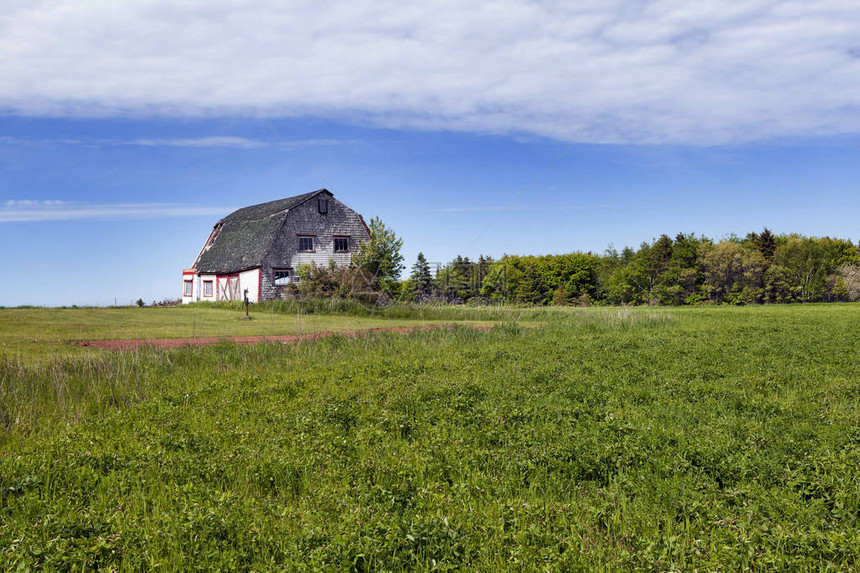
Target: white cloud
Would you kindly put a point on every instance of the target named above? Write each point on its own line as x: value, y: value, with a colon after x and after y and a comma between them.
x: 238, y: 142
x: 32, y: 204
x: 664, y: 71
x: 498, y: 208
x: 28, y: 210
x: 214, y: 141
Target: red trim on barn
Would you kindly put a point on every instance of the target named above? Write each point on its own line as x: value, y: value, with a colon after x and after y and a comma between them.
x: 188, y: 277
x: 228, y: 293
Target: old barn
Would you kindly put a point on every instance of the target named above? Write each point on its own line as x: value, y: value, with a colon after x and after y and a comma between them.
x: 258, y: 248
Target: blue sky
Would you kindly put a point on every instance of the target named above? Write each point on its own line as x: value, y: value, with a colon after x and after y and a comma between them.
x: 506, y: 127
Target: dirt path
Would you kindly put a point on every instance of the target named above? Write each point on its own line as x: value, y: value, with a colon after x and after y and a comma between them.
x: 133, y: 344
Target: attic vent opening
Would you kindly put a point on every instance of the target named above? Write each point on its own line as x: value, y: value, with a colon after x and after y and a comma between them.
x: 322, y: 205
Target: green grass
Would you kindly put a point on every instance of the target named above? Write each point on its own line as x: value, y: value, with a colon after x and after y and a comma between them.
x: 37, y: 334
x: 609, y: 439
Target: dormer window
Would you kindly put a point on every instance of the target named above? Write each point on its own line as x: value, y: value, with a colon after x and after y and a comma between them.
x: 322, y: 205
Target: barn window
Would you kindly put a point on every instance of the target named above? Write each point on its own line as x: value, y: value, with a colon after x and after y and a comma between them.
x: 282, y: 277
x: 341, y: 244
x: 207, y: 288
x: 306, y: 244
x: 322, y: 205
x: 187, y: 288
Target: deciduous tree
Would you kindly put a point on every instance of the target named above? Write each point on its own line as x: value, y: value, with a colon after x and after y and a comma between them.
x: 380, y: 256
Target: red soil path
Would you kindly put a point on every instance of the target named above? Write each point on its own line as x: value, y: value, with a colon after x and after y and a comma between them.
x: 133, y: 344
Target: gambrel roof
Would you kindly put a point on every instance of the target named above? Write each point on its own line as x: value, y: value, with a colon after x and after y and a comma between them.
x: 240, y: 240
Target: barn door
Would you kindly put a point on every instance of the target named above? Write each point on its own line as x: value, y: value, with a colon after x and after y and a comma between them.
x: 228, y: 287
x: 233, y: 287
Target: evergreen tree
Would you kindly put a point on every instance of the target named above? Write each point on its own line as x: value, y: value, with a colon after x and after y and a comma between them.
x: 766, y: 244
x: 463, y: 268
x: 422, y: 280
x: 451, y: 282
x: 481, y: 271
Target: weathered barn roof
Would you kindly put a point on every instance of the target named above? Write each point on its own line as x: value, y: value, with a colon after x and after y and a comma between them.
x: 240, y: 240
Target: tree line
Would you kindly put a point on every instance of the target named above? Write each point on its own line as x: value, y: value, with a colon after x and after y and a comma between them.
x: 757, y: 269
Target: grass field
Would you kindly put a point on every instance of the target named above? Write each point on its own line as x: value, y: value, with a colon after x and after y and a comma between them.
x: 37, y: 334
x: 608, y: 439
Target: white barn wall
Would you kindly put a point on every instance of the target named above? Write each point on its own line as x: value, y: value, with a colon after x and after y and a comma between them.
x: 199, y: 290
x: 250, y: 280
x: 193, y: 278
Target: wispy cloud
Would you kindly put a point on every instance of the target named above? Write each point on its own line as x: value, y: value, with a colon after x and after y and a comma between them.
x: 660, y: 72
x: 237, y: 142
x: 193, y: 142
x: 498, y: 208
x: 27, y: 210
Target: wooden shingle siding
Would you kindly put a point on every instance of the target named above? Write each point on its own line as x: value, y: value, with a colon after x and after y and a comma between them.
x: 306, y: 220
